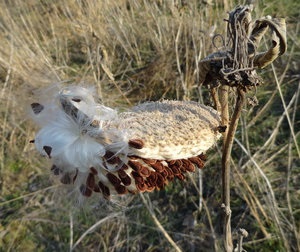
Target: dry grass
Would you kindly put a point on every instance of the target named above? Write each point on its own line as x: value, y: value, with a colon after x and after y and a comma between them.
x: 135, y: 51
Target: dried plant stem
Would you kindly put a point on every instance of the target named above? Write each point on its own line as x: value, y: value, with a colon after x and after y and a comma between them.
x: 215, y: 97
x: 93, y: 227
x: 241, y: 234
x: 227, y: 147
x: 158, y: 224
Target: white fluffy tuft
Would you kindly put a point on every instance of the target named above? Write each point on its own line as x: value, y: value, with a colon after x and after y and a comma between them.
x: 68, y: 136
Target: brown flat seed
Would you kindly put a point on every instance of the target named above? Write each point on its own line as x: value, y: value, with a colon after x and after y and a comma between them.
x: 113, y: 179
x: 66, y: 179
x: 180, y: 177
x: 111, y: 158
x: 90, y: 181
x: 121, y: 189
x: 203, y: 157
x: 36, y: 108
x: 171, y: 162
x: 137, y: 177
x: 126, y: 180
x: 188, y: 165
x: 93, y: 170
x: 75, y: 99
x: 184, y: 163
x: 48, y: 150
x: 144, y: 172
x: 134, y: 165
x: 136, y: 143
x: 105, y: 190
x: 178, y: 162
x: 158, y: 167
x: 164, y: 173
x: 152, y: 178
x: 122, y: 174
x: 149, y: 161
x: 150, y: 188
x: 170, y: 175
x: 160, y: 181
x: 221, y: 129
x: 55, y: 170
x: 75, y: 176
x: 141, y: 187
x: 175, y: 170
x: 197, y: 161
x: 124, y: 167
x: 97, y: 188
x: 85, y: 191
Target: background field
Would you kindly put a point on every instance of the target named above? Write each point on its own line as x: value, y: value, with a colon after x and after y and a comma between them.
x: 134, y: 51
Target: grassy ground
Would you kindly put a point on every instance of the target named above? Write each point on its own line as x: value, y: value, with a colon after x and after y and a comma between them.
x: 134, y: 51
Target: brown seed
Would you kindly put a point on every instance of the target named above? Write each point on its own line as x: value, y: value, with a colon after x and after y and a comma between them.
x: 149, y: 161
x: 175, y: 169
x: 56, y: 171
x: 85, y: 191
x: 221, y: 129
x: 66, y: 179
x: 178, y: 163
x: 76, y: 99
x: 144, y: 171
x: 126, y: 180
x: 187, y: 165
x: 105, y: 190
x: 171, y: 162
x: 121, y: 189
x: 90, y: 181
x: 170, y: 175
x: 48, y: 150
x: 203, y: 157
x: 97, y: 188
x: 36, y: 108
x: 152, y: 179
x: 150, y: 188
x: 164, y: 173
x: 134, y: 165
x: 180, y: 177
x: 197, y: 161
x: 113, y: 179
x: 158, y: 166
x: 111, y: 158
x: 93, y: 170
x: 160, y: 181
x: 142, y: 187
x: 124, y: 167
x: 137, y: 177
x: 75, y: 176
x: 136, y: 143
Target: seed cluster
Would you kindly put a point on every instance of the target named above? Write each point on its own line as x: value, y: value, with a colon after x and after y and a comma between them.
x: 137, y: 175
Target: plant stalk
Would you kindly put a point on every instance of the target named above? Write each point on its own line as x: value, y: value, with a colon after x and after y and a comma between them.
x: 227, y: 147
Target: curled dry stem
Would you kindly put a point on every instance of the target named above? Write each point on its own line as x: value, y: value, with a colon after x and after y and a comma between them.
x: 242, y: 233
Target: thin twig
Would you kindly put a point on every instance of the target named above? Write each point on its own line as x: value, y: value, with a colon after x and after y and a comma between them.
x: 93, y: 227
x: 71, y: 231
x: 241, y: 234
x: 158, y: 224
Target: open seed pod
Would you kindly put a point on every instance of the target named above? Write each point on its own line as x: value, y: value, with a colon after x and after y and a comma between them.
x: 100, y: 150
